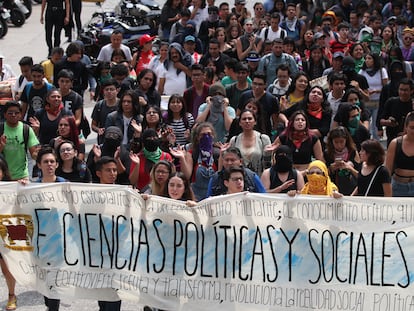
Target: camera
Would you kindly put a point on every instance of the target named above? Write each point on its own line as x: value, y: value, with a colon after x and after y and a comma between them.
x: 217, y: 100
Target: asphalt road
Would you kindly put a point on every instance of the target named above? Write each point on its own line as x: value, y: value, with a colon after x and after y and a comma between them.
x: 29, y: 40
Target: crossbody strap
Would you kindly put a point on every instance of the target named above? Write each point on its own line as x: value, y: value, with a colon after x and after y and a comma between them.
x: 372, y: 180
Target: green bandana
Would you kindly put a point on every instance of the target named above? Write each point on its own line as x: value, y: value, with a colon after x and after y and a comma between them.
x: 153, y: 156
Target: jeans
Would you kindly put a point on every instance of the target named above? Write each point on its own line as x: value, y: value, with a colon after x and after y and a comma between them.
x: 400, y: 189
x: 372, y: 126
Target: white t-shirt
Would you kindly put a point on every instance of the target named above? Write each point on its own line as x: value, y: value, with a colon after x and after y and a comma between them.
x: 174, y: 84
x: 375, y: 82
x: 106, y: 53
x: 271, y: 35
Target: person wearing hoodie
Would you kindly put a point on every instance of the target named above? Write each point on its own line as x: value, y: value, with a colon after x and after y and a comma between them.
x: 175, y: 77
x: 111, y: 147
x: 280, y: 86
x: 142, y: 162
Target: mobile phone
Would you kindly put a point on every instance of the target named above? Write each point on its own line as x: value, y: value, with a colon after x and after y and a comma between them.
x: 338, y: 159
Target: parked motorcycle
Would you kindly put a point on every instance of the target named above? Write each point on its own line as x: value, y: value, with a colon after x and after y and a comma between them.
x: 4, y: 17
x: 146, y: 11
x: 98, y: 31
x: 18, y: 11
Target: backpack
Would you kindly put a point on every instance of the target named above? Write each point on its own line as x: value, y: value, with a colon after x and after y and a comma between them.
x: 26, y: 129
x: 29, y: 85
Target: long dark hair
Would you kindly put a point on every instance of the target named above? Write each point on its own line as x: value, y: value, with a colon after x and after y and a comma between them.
x: 135, y: 103
x: 183, y: 112
x: 290, y: 129
x: 339, y: 132
x: 375, y: 152
x: 76, y: 161
x: 377, y: 62
x: 158, y: 111
x: 325, y: 104
x: 188, y: 192
x: 292, y: 85
x: 74, y: 132
x: 154, y: 78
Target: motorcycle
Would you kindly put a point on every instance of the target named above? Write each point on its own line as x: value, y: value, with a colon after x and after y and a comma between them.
x: 98, y: 32
x: 4, y: 17
x: 18, y: 11
x: 146, y: 11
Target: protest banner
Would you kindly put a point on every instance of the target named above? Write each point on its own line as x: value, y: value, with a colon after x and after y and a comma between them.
x: 234, y: 252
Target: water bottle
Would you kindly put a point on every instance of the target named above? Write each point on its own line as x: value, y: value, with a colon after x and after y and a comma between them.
x: 82, y: 170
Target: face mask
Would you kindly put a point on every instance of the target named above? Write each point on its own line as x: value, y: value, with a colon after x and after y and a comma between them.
x: 354, y: 122
x: 151, y: 144
x: 358, y: 104
x: 112, y: 143
x: 283, y: 163
x: 397, y: 76
x: 317, y: 184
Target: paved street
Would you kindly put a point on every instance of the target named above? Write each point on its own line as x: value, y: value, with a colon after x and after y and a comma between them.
x: 29, y: 40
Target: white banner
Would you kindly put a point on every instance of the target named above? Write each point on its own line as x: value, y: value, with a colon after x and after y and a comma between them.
x: 235, y: 252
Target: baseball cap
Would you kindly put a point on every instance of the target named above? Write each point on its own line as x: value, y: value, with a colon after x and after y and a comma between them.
x: 145, y: 39
x: 253, y: 56
x: 189, y: 38
x: 239, y: 1
x: 318, y: 35
x: 338, y: 54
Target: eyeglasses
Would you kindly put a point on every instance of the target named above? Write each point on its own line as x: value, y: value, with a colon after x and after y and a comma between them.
x: 68, y: 149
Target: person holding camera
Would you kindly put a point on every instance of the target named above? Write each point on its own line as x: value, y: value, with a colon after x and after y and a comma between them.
x: 217, y: 111
x: 395, y: 110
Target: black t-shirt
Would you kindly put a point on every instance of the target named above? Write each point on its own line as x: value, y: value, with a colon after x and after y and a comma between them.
x: 394, y: 107
x: 72, y: 102
x: 376, y: 189
x: 100, y: 113
x: 75, y: 175
x: 36, y: 99
x: 48, y: 128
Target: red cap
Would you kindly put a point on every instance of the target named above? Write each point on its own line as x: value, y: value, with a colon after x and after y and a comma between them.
x: 145, y: 39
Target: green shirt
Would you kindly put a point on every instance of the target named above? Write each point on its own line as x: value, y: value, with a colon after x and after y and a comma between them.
x: 14, y: 151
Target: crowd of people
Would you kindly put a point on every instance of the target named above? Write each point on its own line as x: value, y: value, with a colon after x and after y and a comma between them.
x: 293, y: 97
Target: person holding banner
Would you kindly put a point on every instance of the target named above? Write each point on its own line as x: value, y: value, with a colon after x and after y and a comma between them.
x: 400, y: 160
x: 373, y: 178
x: 107, y: 172
x: 47, y: 162
x: 282, y: 177
x: 319, y: 182
x: 178, y: 188
x: 159, y: 175
x: 234, y: 179
x: 10, y: 281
